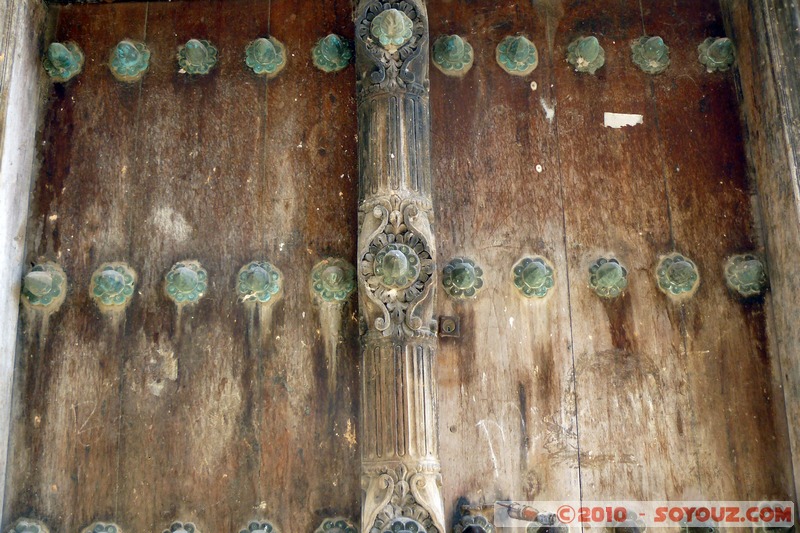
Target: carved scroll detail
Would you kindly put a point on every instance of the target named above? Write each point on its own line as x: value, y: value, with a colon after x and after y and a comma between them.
x: 401, y: 478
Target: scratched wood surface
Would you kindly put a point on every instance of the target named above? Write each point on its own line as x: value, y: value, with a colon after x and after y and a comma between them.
x: 218, y: 416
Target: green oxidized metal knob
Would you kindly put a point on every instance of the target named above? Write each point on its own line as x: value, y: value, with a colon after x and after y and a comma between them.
x: 650, y: 54
x: 533, y: 276
x: 717, y: 54
x: 266, y: 57
x: 333, y: 279
x: 332, y: 53
x: 608, y: 277
x: 100, y: 527
x: 129, y: 60
x: 63, y: 61
x: 45, y: 286
x: 397, y: 265
x: 259, y: 281
x: 392, y: 29
x: 462, y: 278
x: 186, y: 282
x: 336, y: 525
x: 586, y: 54
x: 27, y: 525
x: 197, y: 57
x: 677, y: 275
x: 452, y: 55
x: 181, y: 527
x: 259, y: 527
x: 517, y: 55
x: 113, y: 285
x: 746, y: 274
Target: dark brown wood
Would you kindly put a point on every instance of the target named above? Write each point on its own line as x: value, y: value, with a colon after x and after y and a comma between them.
x: 215, y: 417
x: 507, y: 427
x: 766, y: 81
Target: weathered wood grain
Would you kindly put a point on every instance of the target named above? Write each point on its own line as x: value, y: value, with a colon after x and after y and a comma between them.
x: 505, y: 386
x: 764, y: 37
x: 218, y: 417
x: 739, y: 422
x: 65, y: 441
x: 629, y: 364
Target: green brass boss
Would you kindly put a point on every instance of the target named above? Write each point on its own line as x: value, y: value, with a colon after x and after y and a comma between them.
x: 608, y: 277
x: 452, y: 55
x: 677, y: 276
x: 392, y: 29
x: 259, y: 281
x: 332, y: 53
x: 63, y: 61
x: 650, y: 54
x: 586, y: 54
x: 129, y: 60
x: 45, y: 286
x: 533, y: 276
x: 266, y: 57
x: 716, y: 54
x: 517, y: 55
x: 462, y: 278
x: 336, y: 525
x: 186, y: 282
x: 746, y: 274
x: 197, y: 56
x: 113, y: 285
x: 333, y: 279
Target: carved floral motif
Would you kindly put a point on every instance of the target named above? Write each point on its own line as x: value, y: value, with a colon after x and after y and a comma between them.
x: 396, y: 264
x: 399, y: 64
x: 404, y: 496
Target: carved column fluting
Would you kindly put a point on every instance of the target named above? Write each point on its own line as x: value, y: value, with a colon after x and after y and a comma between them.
x: 401, y: 476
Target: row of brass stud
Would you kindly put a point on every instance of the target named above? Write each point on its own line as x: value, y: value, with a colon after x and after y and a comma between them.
x: 452, y: 54
x: 677, y: 276
x: 333, y: 280
x: 328, y: 525
x: 113, y: 284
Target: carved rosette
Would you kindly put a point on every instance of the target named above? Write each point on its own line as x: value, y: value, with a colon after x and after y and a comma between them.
x: 396, y: 268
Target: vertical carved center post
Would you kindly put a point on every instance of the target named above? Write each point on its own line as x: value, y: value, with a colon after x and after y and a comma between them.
x: 401, y: 476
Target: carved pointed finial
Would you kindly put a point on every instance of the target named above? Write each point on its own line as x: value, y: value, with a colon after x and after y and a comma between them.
x: 650, y: 54
x: 517, y: 55
x: 716, y: 54
x: 266, y: 56
x: 197, y: 57
x: 63, y: 61
x: 129, y: 60
x: 452, y: 55
x: 332, y: 53
x: 586, y: 54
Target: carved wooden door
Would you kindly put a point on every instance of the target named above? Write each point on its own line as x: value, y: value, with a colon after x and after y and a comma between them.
x: 242, y: 207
